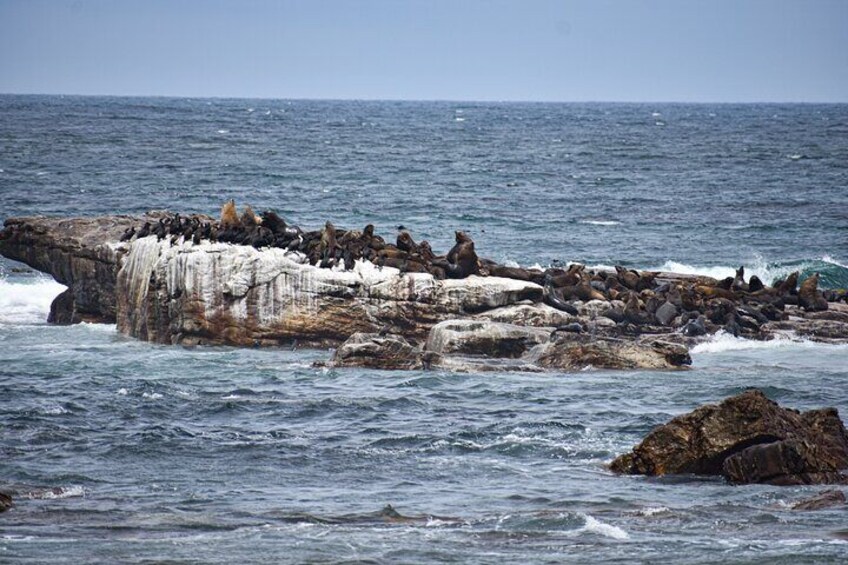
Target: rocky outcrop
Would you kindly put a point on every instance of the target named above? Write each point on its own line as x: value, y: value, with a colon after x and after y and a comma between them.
x: 467, y: 345
x: 174, y: 289
x: 220, y: 293
x: 747, y: 439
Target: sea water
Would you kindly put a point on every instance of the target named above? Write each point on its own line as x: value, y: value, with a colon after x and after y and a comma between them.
x: 122, y: 451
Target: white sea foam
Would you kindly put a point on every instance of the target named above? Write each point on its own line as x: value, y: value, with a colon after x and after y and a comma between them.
x: 595, y: 526
x: 104, y: 328
x: 653, y: 510
x: 723, y: 341
x: 832, y: 261
x: 600, y: 222
x: 56, y: 493
x: 27, y: 302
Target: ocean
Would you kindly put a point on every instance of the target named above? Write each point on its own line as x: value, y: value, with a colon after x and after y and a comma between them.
x: 122, y: 451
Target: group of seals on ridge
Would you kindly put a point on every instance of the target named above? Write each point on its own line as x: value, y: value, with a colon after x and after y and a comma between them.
x: 635, y: 300
x: 327, y: 247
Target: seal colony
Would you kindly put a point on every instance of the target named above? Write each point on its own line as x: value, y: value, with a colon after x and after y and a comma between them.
x: 636, y: 302
x: 255, y: 280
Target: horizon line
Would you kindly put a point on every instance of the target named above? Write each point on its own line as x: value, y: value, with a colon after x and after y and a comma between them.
x: 442, y: 100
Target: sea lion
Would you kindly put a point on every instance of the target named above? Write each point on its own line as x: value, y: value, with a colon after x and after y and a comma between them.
x: 274, y: 222
x: 788, y: 286
x: 628, y: 278
x: 809, y: 297
x: 755, y: 284
x: 327, y: 249
x: 229, y: 215
x: 739, y: 283
x: 633, y: 312
x: 406, y: 243
x: 569, y: 278
x: 553, y: 297
x: 509, y: 273
x: 462, y: 259
x: 725, y: 283
x: 714, y: 292
x: 585, y: 292
x: 249, y: 218
x: 425, y: 251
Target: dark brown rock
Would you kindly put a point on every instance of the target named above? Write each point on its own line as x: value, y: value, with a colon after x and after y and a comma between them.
x: 62, y: 310
x: 746, y: 438
x: 5, y: 502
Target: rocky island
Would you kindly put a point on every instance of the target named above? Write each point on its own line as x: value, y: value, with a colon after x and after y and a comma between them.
x: 253, y: 280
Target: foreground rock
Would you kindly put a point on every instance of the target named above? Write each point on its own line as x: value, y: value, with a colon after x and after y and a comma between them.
x: 5, y: 502
x: 747, y: 439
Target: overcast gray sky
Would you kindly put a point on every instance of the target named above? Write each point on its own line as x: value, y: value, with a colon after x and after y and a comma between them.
x: 586, y: 50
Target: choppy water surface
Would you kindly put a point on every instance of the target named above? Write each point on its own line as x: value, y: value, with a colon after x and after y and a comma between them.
x: 118, y: 450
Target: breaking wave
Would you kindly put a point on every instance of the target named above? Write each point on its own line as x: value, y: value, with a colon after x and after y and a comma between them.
x: 833, y: 274
x: 27, y: 302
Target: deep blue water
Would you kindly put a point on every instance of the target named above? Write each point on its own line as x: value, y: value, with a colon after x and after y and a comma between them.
x: 227, y: 455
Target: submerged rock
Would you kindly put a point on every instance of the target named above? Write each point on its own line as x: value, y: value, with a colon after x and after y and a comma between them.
x: 825, y: 499
x: 5, y: 502
x: 747, y: 439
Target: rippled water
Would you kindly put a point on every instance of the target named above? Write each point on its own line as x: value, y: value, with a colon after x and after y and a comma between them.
x: 118, y: 450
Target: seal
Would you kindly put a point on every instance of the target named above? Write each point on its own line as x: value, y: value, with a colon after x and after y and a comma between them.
x: 229, y: 215
x: 249, y: 218
x: 462, y: 259
x: 755, y: 284
x: 406, y: 243
x: 789, y: 285
x: 809, y: 297
x: 274, y: 222
x: 739, y: 283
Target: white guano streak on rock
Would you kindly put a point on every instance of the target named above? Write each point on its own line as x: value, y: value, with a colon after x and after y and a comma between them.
x: 138, y: 266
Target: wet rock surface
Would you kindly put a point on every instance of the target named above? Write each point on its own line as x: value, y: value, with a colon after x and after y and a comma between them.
x: 747, y: 439
x: 467, y: 345
x: 377, y: 351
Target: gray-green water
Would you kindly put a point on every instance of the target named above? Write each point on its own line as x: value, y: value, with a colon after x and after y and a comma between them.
x: 236, y: 455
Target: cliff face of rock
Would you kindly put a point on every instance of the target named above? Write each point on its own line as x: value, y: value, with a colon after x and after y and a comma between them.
x: 219, y: 293
x: 77, y: 254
